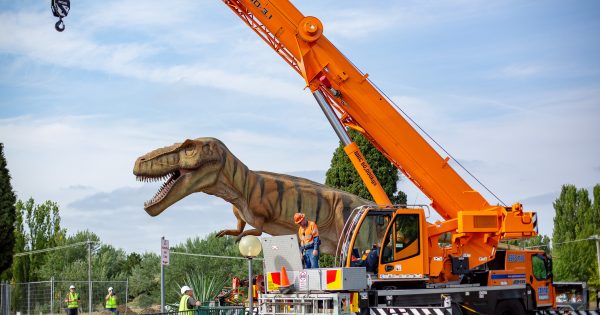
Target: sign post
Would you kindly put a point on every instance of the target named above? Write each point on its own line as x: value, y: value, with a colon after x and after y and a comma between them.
x: 164, y: 261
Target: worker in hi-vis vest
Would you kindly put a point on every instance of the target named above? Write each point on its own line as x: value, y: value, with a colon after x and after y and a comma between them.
x: 187, y: 302
x: 111, y: 301
x: 309, y: 240
x: 72, y: 301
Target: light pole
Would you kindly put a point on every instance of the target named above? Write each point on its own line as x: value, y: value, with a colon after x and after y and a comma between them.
x: 250, y: 247
x: 597, y: 238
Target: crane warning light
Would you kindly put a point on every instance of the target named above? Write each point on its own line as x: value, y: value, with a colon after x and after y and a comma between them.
x: 325, y: 81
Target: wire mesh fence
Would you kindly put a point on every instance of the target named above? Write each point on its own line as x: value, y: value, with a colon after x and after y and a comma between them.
x: 48, y: 297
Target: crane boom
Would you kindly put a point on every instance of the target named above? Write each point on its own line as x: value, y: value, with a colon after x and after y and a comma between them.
x: 338, y: 84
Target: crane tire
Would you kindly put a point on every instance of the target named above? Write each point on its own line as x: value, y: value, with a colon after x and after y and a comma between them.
x: 456, y: 309
x: 509, y: 307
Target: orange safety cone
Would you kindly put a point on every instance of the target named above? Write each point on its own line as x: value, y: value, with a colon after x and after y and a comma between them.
x: 285, y: 286
x: 284, y: 278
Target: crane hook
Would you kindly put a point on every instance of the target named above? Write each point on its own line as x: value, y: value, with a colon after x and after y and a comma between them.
x: 60, y: 9
x: 60, y: 25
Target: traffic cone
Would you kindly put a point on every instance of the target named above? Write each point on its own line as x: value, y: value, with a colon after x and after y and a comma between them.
x: 285, y: 286
x: 284, y: 279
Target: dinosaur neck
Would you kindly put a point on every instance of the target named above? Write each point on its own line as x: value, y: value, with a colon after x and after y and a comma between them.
x: 236, y: 182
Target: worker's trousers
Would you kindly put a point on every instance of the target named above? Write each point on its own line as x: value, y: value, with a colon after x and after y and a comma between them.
x: 310, y: 261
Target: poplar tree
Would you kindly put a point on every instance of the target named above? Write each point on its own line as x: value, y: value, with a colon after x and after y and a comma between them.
x: 576, y: 220
x: 343, y: 175
x: 37, y: 227
x: 7, y: 217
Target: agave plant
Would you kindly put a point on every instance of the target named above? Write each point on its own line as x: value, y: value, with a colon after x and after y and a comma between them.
x: 205, y: 287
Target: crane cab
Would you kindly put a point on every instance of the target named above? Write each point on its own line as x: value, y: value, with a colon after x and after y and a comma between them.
x: 390, y: 241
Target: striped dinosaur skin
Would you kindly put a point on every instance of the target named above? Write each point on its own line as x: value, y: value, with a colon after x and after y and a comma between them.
x: 266, y: 201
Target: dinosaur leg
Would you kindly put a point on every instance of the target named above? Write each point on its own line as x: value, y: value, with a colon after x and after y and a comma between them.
x: 240, y: 225
x: 258, y: 224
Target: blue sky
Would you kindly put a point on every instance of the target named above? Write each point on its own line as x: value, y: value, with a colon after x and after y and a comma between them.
x: 510, y: 88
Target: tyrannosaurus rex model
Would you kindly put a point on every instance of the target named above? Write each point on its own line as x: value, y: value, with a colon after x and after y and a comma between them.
x: 265, y: 200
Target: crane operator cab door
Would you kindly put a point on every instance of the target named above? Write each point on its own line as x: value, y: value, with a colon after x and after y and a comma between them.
x: 540, y: 279
x: 403, y: 252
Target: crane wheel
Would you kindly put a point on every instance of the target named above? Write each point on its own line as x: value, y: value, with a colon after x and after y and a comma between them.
x: 509, y: 307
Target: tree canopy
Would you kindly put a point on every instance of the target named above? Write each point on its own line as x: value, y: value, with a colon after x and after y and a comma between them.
x: 342, y: 174
x: 7, y: 217
x: 577, y: 219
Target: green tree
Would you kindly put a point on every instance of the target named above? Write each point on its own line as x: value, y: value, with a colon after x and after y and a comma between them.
x: 342, y: 174
x: 71, y: 263
x: 133, y: 259
x: 8, y: 216
x: 182, y: 266
x: 576, y: 220
x: 541, y: 242
x: 144, y: 283
x: 38, y: 227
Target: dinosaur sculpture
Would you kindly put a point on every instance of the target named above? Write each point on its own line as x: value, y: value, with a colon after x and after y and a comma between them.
x: 267, y: 201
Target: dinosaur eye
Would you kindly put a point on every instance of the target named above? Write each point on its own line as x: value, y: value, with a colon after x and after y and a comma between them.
x: 190, y: 150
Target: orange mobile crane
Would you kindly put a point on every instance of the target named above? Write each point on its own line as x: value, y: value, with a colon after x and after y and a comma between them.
x: 462, y: 249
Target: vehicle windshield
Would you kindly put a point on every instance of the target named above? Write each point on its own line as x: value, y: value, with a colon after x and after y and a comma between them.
x: 538, y: 264
x: 370, y: 233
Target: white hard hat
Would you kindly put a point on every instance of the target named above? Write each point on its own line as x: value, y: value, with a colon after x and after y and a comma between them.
x: 184, y: 289
x: 110, y: 289
x: 72, y: 287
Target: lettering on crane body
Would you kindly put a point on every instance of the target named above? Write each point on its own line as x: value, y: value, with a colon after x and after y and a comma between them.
x: 369, y: 173
x: 516, y: 258
x: 264, y: 10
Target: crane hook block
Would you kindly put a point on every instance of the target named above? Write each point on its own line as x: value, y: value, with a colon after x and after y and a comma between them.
x: 310, y: 29
x: 60, y: 9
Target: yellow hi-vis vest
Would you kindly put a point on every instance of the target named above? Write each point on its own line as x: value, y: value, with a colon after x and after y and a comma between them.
x: 183, y: 306
x: 73, y: 297
x: 111, y: 302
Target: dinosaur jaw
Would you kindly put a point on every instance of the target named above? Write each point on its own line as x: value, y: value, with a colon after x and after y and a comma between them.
x: 179, y: 184
x: 164, y: 196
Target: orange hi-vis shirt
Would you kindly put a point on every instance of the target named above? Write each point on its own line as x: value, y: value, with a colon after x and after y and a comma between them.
x: 307, y: 235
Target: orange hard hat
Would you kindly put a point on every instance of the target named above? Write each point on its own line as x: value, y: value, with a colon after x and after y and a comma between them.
x: 298, y: 217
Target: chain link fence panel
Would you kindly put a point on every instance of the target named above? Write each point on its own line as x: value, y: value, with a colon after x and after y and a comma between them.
x: 48, y: 297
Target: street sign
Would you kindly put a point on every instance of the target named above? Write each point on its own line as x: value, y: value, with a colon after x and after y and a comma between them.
x: 302, y: 281
x: 164, y: 252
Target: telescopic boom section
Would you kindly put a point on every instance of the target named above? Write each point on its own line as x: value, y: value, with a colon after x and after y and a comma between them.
x: 299, y: 40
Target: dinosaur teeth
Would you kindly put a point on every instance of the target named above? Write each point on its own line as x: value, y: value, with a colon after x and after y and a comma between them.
x: 169, y: 181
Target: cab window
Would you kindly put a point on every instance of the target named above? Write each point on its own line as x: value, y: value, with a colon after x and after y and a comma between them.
x: 402, y: 241
x: 538, y: 265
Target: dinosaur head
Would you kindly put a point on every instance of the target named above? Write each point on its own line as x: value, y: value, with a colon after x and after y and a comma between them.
x: 186, y: 168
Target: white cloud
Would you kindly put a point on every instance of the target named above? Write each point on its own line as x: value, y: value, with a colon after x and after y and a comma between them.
x: 538, y: 143
x: 85, y: 163
x: 362, y: 20
x: 28, y: 35
x: 138, y: 15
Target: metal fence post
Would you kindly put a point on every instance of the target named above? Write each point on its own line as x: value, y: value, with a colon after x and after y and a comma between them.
x: 90, y: 277
x: 2, y: 297
x: 28, y: 299
x: 5, y: 297
x: 8, y: 297
x: 51, y: 295
x: 126, y: 294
